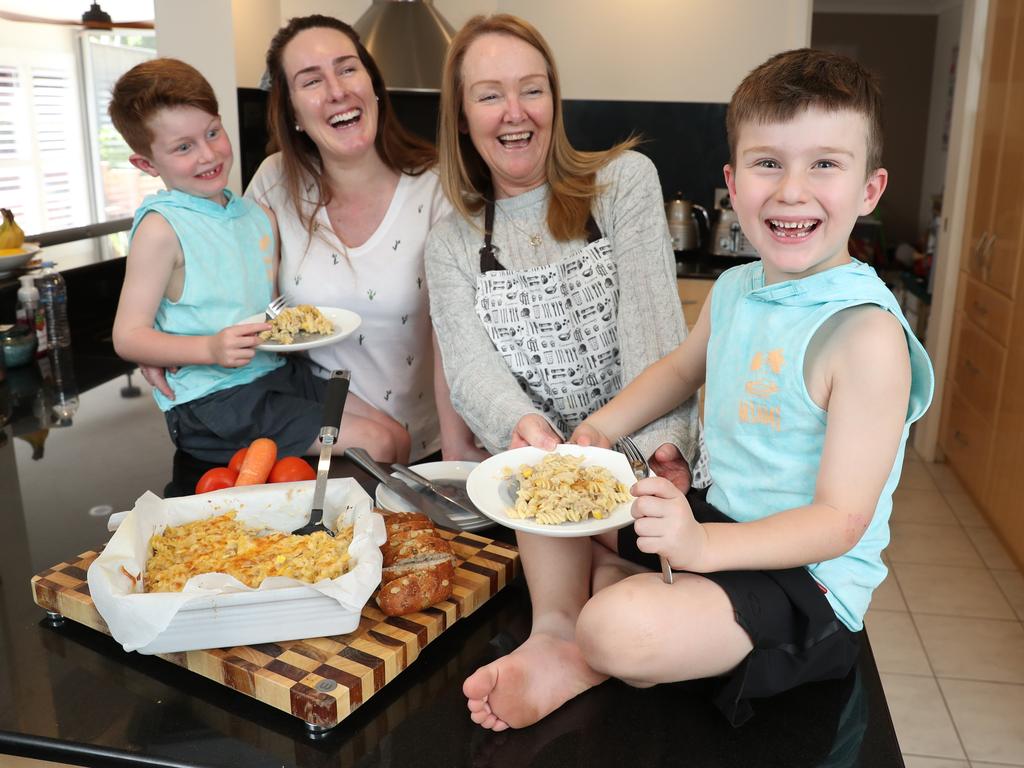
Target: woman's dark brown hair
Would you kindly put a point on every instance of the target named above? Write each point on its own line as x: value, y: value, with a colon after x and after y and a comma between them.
x: 301, y: 163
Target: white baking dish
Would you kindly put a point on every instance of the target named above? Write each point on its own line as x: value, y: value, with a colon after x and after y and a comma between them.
x: 216, y: 610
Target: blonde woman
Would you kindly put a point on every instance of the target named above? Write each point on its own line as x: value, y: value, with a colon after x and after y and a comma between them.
x: 552, y: 285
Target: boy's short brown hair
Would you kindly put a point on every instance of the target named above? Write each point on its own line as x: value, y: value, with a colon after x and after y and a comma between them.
x: 151, y: 86
x: 796, y: 80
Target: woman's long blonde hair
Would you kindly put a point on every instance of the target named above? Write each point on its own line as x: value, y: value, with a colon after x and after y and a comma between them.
x: 571, y: 174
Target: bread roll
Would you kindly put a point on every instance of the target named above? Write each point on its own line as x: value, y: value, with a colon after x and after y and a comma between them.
x: 419, y: 565
x: 417, y: 590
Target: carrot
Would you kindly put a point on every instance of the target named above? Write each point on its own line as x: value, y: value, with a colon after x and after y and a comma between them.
x: 258, y: 462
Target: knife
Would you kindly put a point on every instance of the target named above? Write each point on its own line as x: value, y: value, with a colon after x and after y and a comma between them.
x: 334, y: 405
x: 450, y: 493
x: 425, y: 504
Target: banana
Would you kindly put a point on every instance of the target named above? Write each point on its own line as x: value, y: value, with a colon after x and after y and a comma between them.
x: 11, y: 235
x: 36, y: 439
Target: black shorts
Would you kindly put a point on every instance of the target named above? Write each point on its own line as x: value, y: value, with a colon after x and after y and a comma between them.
x: 285, y: 405
x: 796, y: 635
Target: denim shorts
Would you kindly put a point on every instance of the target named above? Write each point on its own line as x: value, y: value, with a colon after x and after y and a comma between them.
x: 285, y: 405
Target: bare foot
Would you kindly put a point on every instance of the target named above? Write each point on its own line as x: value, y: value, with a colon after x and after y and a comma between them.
x: 534, y: 680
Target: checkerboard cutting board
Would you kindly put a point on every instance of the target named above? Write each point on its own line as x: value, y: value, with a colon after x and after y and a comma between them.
x: 320, y: 680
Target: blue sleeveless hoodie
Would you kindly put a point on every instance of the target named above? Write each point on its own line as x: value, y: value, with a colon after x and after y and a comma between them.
x: 229, y: 262
x: 765, y: 435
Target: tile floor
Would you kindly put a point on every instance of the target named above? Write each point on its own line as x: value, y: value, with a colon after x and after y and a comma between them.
x: 946, y: 629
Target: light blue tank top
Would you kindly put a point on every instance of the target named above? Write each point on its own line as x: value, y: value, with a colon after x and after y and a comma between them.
x: 765, y: 435
x: 229, y: 276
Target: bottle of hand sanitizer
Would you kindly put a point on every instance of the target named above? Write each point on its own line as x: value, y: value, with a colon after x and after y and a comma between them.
x: 29, y: 312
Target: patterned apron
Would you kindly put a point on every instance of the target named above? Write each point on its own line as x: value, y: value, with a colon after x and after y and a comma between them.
x: 556, y: 326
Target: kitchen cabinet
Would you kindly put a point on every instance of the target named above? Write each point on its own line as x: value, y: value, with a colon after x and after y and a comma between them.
x: 692, y: 295
x: 982, y: 432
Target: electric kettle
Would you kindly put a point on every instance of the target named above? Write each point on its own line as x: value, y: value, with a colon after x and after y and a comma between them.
x: 682, y: 223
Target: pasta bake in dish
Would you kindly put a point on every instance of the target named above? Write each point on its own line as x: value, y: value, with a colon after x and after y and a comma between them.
x: 223, y: 545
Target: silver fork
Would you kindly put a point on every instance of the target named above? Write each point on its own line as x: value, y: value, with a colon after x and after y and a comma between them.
x: 641, y: 469
x: 275, y: 306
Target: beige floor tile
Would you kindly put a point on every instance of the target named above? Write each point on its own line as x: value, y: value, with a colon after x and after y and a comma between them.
x: 919, y: 714
x: 916, y: 761
x: 945, y: 479
x: 965, y: 510
x: 988, y: 717
x: 951, y: 591
x: 932, y: 544
x: 887, y: 596
x: 973, y: 649
x: 895, y: 643
x: 991, y: 548
x: 1012, y: 584
x: 911, y: 505
x: 915, y: 475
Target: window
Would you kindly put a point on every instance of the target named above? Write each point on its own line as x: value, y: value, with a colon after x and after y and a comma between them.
x: 62, y: 164
x: 118, y: 187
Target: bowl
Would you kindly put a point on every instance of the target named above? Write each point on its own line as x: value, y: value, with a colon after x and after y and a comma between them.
x: 19, y: 345
x: 13, y: 258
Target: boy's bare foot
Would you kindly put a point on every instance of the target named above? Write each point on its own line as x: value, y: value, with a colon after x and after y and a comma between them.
x: 534, y: 680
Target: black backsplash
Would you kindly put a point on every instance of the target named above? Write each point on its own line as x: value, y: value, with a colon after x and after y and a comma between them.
x: 685, y: 140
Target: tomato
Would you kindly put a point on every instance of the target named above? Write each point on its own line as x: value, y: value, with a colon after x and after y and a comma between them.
x: 237, y: 459
x: 215, y: 479
x: 291, y: 468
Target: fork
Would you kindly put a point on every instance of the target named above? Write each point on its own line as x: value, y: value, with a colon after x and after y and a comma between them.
x: 641, y: 469
x: 275, y: 306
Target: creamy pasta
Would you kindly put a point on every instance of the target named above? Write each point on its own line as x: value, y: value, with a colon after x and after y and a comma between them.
x: 558, y: 489
x: 304, y: 318
x: 223, y: 545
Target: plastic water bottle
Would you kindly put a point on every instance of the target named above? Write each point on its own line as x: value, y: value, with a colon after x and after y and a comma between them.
x: 53, y: 297
x: 64, y: 401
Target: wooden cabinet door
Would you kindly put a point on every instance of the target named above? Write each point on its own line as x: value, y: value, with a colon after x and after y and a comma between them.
x: 988, y: 244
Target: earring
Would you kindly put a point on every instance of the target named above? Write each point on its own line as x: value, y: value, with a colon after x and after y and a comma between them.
x: 298, y: 128
x: 377, y: 98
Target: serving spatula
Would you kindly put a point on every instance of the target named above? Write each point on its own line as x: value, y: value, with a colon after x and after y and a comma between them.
x: 334, y: 405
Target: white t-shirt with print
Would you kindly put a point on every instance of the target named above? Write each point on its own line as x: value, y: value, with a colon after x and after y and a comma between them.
x: 383, y: 281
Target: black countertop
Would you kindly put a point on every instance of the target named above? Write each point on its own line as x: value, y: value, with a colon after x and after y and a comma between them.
x: 69, y: 693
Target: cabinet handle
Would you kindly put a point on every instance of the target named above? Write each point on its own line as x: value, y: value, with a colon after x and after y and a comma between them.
x: 980, y: 308
x: 984, y: 256
x: 971, y: 367
x: 961, y: 439
x: 976, y: 251
x: 687, y: 302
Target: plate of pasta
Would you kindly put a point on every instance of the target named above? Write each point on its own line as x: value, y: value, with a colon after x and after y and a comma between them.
x: 571, y: 491
x: 303, y: 327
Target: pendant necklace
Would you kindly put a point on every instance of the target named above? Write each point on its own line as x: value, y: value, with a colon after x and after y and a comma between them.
x: 534, y: 239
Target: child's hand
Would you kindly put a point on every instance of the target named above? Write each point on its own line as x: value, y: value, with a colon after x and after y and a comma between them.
x: 588, y: 434
x: 534, y: 430
x: 665, y: 525
x: 668, y: 462
x: 236, y: 345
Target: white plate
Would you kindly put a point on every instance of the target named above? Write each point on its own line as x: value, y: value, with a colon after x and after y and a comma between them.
x: 12, y: 261
x: 344, y: 321
x: 492, y: 493
x: 452, y: 471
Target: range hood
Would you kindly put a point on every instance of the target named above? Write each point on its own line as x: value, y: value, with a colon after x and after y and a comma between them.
x: 409, y: 40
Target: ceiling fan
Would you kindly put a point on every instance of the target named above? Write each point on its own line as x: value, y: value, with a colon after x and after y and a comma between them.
x: 94, y: 18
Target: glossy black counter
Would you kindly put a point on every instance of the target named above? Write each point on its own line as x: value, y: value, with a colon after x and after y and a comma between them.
x: 71, y: 694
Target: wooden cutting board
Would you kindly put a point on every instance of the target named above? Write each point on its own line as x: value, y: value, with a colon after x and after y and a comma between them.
x: 320, y: 680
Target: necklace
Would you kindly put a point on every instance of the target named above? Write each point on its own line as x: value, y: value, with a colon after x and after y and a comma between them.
x: 534, y: 239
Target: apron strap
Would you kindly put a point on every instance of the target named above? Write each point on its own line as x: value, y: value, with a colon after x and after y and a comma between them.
x: 488, y: 251
x: 488, y: 258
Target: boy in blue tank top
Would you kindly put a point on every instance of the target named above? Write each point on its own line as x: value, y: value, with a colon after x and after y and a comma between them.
x: 813, y: 379
x: 201, y: 260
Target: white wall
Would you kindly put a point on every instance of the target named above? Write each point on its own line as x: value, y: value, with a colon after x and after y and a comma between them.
x: 657, y: 50
x: 200, y: 32
x: 255, y: 22
x: 947, y: 40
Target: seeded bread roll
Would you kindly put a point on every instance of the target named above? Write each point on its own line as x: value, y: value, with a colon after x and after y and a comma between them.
x: 419, y: 565
x: 417, y: 590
